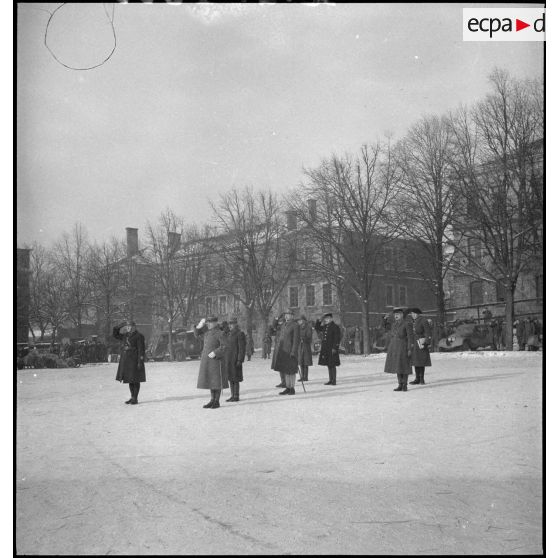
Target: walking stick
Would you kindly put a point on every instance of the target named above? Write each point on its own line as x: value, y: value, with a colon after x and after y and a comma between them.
x: 301, y: 380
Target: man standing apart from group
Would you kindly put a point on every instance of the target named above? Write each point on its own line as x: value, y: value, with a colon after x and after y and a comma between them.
x: 305, y: 348
x: 329, y: 352
x: 287, y: 340
x: 131, y: 367
x: 400, y: 342
x: 212, y: 374
x: 422, y: 337
x: 236, y: 350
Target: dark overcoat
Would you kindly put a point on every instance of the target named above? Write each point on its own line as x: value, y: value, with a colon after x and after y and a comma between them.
x: 331, y: 337
x: 287, y: 340
x: 305, y: 347
x: 131, y: 368
x: 421, y: 330
x: 213, y: 372
x: 275, y: 331
x: 400, y: 339
x: 236, y: 351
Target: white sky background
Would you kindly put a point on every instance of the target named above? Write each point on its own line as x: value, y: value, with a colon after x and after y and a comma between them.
x: 198, y: 99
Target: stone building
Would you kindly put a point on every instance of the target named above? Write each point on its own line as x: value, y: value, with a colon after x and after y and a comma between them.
x: 472, y: 285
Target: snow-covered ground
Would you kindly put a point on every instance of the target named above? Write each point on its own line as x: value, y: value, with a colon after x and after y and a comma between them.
x: 451, y: 467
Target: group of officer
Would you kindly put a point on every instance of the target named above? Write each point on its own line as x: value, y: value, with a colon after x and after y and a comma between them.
x: 224, y: 350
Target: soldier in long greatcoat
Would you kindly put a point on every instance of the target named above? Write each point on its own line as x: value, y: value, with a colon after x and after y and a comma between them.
x: 236, y: 351
x: 398, y: 358
x: 131, y: 367
x: 287, y: 340
x: 213, y: 373
x: 422, y: 338
x: 330, y: 334
x: 305, y: 347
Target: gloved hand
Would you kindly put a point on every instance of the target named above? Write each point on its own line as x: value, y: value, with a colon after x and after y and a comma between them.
x: 201, y: 324
x: 211, y: 354
x: 409, y: 353
x: 238, y: 363
x: 333, y: 351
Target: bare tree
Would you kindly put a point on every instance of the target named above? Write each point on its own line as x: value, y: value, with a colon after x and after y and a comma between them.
x: 172, y: 268
x: 38, y: 310
x: 427, y: 199
x: 254, y: 250
x: 499, y: 174
x: 193, y: 253
x: 56, y: 288
x: 71, y: 255
x: 106, y: 277
x: 355, y: 217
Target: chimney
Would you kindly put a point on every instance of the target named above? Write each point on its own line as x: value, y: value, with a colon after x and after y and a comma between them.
x: 291, y: 220
x: 174, y: 241
x: 312, y: 209
x: 132, y: 241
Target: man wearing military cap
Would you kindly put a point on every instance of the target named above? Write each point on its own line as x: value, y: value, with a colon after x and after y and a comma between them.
x: 236, y: 350
x: 213, y: 373
x: 330, y: 334
x: 422, y: 338
x: 398, y: 357
x: 287, y: 341
x: 305, y: 347
x: 131, y: 367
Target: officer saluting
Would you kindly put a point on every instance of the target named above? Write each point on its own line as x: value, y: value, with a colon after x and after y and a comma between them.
x: 213, y: 373
x: 131, y: 367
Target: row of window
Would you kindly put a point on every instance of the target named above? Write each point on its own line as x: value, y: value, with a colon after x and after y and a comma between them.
x: 476, y: 290
x: 394, y: 259
x: 392, y: 291
x: 219, y: 305
x: 310, y: 295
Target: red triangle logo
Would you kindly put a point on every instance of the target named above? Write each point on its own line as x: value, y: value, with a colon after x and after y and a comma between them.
x: 519, y: 25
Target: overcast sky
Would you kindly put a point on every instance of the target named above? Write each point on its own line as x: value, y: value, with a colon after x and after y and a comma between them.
x: 198, y: 99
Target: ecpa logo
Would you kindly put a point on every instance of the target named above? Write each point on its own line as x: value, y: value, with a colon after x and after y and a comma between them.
x: 503, y: 24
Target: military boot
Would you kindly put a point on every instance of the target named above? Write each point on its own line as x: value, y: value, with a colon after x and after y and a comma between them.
x: 231, y: 398
x: 216, y: 404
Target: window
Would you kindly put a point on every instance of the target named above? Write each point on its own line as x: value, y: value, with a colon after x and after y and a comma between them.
x: 208, y: 307
x: 389, y: 295
x: 222, y: 305
x: 236, y: 305
x: 474, y: 247
x: 476, y: 292
x: 539, y: 286
x: 500, y: 290
x: 310, y: 295
x: 402, y: 260
x: 327, y: 294
x: 292, y: 257
x: 388, y: 259
x: 293, y: 297
x: 308, y: 255
x: 402, y: 295
x: 208, y: 275
x: 221, y: 272
x: 201, y: 310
